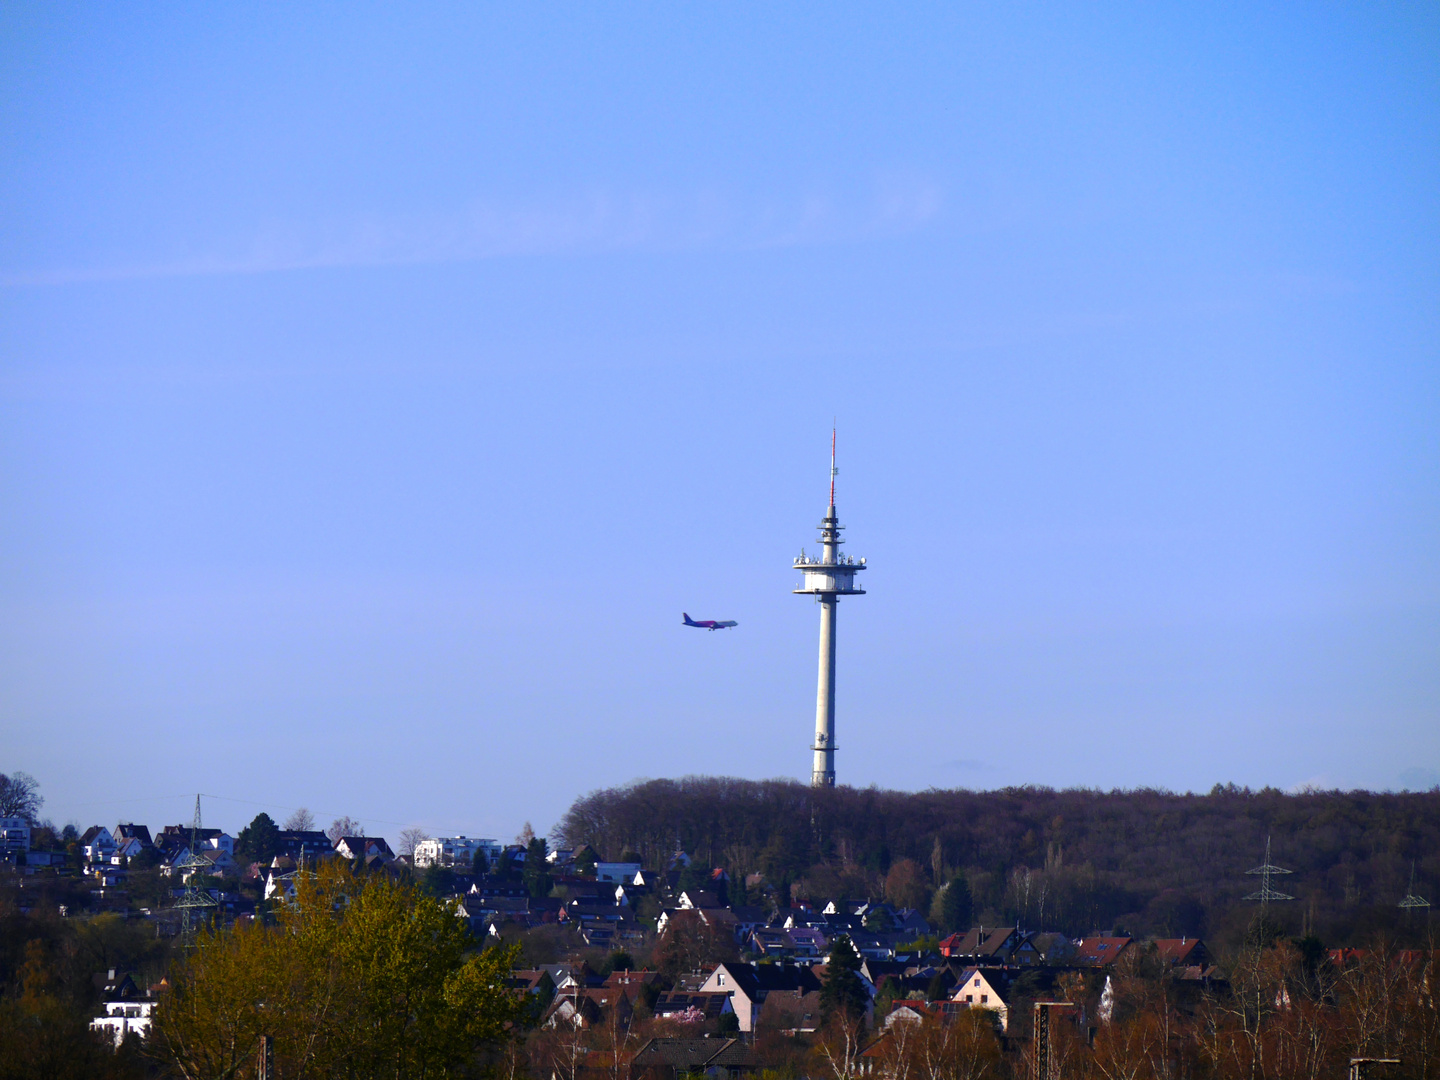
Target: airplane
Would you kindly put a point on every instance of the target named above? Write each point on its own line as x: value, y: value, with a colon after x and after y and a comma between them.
x: 710, y: 624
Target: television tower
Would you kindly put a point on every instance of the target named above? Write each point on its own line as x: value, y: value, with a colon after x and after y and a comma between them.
x: 828, y: 577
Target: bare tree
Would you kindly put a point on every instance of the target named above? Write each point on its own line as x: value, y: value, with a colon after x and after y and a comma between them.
x: 301, y: 820
x: 344, y: 826
x: 839, y: 1044
x: 20, y: 797
x: 408, y: 839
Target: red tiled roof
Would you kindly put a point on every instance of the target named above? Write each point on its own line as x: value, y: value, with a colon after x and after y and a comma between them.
x: 1100, y: 951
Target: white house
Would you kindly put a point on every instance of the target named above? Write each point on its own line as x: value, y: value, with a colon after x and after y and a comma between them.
x: 14, y: 836
x: 126, y: 848
x: 123, y: 1017
x: 455, y: 851
x: 98, y: 844
x: 976, y: 990
x: 363, y: 847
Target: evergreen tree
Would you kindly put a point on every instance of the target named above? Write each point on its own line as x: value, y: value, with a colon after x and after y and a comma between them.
x: 843, y: 990
x: 585, y: 860
x: 956, y: 905
x: 256, y: 842
x: 480, y: 865
x: 537, y: 870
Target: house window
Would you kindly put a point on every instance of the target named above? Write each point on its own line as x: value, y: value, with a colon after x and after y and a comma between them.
x: 969, y: 997
x: 719, y: 980
x: 977, y: 982
x: 984, y: 998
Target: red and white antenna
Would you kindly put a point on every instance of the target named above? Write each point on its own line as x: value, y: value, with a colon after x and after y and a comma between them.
x: 833, y: 470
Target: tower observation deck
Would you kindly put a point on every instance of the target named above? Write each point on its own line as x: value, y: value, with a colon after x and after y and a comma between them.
x: 828, y: 577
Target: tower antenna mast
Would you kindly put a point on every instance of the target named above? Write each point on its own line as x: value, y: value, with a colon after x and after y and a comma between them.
x: 833, y: 470
x: 828, y: 577
x: 1413, y: 899
x: 195, y: 903
x: 1266, y: 893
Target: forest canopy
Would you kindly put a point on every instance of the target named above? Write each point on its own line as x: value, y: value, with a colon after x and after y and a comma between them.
x: 1143, y: 861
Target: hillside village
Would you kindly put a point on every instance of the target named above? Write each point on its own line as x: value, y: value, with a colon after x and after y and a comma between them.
x: 652, y: 964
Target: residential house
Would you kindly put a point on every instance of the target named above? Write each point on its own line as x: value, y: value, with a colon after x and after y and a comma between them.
x: 631, y: 982
x: 1099, y: 951
x: 98, y: 844
x: 748, y: 919
x: 127, y: 849
x: 122, y: 1018
x: 456, y: 851
x: 983, y: 989
x: 131, y: 831
x: 14, y: 838
x: 694, y: 899
x: 771, y: 941
x: 911, y: 923
x: 671, y: 1059
x: 791, y: 1012
x: 131, y: 840
x: 534, y: 983
x: 749, y: 984
x: 809, y: 941
x: 617, y: 873
x: 908, y: 1012
x: 1182, y: 952
x: 586, y: 1006
x: 720, y: 920
x: 363, y: 847
x: 126, y: 1010
x: 689, y: 1007
x: 977, y: 944
x: 173, y: 837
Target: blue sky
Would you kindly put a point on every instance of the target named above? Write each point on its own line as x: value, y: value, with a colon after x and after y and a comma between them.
x: 378, y: 385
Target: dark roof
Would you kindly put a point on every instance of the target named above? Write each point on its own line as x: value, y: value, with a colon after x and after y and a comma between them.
x: 977, y: 942
x: 693, y: 1055
x: 757, y: 980
x: 134, y: 832
x: 757, y: 915
x: 791, y: 1009
x: 631, y: 978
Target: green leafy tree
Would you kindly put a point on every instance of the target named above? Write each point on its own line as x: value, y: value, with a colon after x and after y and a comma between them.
x: 480, y: 865
x: 43, y: 1035
x: 360, y: 977
x: 843, y: 993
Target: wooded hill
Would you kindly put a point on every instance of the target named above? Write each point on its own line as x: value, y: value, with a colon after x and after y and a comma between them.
x: 1141, y: 862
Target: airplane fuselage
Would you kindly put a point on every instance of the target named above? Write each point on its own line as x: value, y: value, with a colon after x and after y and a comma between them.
x: 710, y: 624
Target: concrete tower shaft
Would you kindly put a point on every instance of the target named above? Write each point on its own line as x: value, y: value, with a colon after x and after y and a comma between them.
x: 827, y: 577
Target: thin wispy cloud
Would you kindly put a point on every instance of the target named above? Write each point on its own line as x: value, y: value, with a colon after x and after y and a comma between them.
x: 596, y: 222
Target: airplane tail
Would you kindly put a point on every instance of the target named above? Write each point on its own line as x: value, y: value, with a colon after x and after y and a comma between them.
x: 688, y: 621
